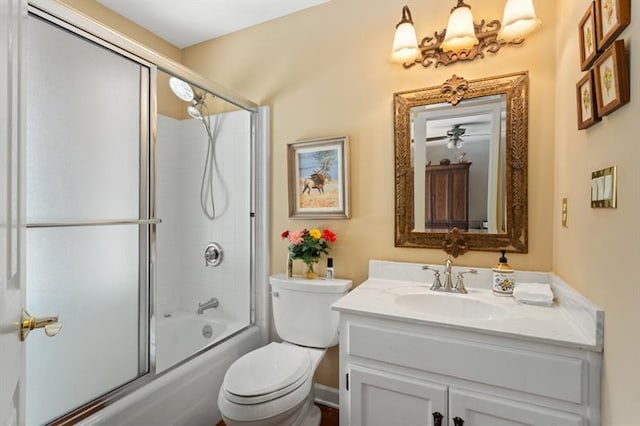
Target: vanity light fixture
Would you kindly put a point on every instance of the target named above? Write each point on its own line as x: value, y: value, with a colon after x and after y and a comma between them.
x: 463, y: 39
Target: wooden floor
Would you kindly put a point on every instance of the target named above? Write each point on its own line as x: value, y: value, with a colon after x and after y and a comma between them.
x: 330, y: 416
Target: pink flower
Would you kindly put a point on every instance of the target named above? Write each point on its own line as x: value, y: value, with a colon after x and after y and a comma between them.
x: 295, y: 237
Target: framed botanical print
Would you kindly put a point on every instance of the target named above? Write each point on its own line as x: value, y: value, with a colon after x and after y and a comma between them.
x: 586, y: 102
x: 612, y: 17
x: 319, y: 178
x: 612, y: 79
x: 587, y: 38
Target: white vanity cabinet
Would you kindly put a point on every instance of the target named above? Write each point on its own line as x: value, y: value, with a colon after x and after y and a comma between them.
x: 396, y: 372
x: 378, y: 397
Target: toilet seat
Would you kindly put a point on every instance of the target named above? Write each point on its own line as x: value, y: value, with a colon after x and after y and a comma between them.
x: 257, y: 413
x: 258, y: 399
x: 266, y: 374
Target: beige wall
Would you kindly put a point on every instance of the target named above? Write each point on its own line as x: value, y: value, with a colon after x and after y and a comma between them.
x: 599, y: 253
x: 119, y: 23
x: 326, y: 71
x: 167, y: 103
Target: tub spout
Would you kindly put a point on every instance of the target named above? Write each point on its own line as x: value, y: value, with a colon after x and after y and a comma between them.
x: 209, y: 304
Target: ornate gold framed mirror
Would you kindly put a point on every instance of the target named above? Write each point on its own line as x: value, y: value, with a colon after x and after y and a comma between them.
x: 461, y: 164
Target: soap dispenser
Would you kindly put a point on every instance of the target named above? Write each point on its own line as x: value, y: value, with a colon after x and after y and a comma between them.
x: 503, y: 277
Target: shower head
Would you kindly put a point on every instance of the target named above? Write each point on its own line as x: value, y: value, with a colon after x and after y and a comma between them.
x: 181, y: 89
x: 194, y: 112
x: 185, y: 92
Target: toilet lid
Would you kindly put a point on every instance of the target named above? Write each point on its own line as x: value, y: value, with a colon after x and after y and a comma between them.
x: 267, y: 370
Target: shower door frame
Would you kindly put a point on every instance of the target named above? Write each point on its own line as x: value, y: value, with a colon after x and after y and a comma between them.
x: 95, y: 32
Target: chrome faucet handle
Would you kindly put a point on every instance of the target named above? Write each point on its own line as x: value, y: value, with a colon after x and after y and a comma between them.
x: 459, y: 288
x: 437, y: 284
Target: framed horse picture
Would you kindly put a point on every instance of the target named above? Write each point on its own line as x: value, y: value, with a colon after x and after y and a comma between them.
x: 319, y: 178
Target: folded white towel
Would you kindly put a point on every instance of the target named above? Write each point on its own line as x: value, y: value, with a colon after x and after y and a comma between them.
x: 533, y: 294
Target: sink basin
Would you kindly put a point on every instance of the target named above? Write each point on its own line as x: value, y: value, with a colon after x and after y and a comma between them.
x: 450, y: 306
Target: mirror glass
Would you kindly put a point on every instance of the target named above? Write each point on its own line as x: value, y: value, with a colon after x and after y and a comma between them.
x: 461, y: 163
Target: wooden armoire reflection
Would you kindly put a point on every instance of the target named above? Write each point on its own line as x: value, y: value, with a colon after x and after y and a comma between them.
x: 447, y: 196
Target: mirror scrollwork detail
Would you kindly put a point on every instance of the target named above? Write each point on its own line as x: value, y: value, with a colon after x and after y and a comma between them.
x: 471, y: 198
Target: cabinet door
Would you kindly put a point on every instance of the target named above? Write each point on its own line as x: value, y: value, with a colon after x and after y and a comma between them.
x: 460, y: 197
x: 477, y: 409
x: 439, y: 198
x: 379, y: 398
x: 447, y: 196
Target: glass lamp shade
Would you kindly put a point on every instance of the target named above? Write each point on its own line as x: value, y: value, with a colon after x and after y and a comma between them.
x: 518, y: 21
x: 461, y: 33
x: 405, y: 44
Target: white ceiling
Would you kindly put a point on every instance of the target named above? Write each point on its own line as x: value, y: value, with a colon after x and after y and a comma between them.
x: 187, y: 22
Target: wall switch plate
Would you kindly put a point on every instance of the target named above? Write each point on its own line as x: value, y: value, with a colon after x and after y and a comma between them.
x: 564, y: 213
x: 604, y: 188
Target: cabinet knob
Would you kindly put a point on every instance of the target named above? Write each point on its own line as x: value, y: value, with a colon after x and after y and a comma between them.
x: 457, y: 421
x: 437, y: 419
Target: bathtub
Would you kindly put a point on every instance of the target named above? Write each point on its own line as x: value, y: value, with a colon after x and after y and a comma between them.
x: 181, y: 334
x: 186, y: 395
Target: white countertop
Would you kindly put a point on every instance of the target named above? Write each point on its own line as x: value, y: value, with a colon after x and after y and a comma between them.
x: 571, y: 321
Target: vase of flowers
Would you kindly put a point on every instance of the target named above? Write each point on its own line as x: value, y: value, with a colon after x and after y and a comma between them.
x: 309, y: 272
x: 308, y: 245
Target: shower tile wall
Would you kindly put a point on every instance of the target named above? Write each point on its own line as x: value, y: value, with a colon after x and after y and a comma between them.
x: 183, y: 278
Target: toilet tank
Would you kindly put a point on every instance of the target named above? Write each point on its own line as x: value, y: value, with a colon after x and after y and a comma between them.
x: 302, y: 309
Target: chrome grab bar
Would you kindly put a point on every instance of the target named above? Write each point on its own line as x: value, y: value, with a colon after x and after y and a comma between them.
x: 94, y: 223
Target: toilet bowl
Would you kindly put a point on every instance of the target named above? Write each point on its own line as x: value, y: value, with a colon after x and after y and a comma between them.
x: 273, y: 385
x: 270, y: 386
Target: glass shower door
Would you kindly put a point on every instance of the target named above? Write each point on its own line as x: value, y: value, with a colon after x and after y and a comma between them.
x: 203, y: 172
x: 87, y: 209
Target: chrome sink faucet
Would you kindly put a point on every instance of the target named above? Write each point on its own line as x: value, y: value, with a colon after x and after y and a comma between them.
x: 448, y: 281
x: 209, y: 304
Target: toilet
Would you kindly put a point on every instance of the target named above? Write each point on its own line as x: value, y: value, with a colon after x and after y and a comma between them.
x: 273, y: 385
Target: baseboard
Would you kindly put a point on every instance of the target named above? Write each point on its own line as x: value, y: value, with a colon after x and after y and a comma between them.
x: 326, y: 396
